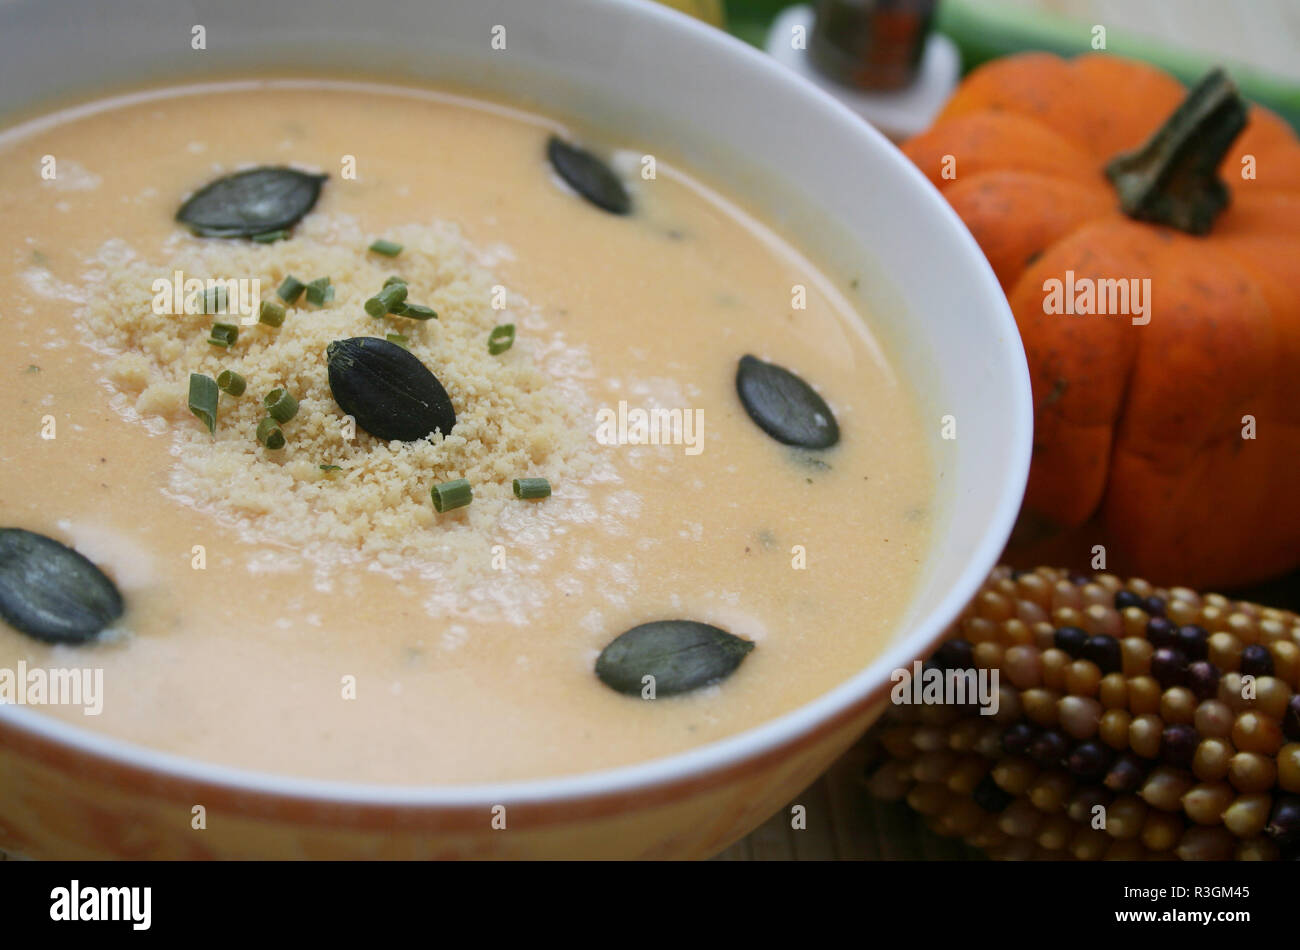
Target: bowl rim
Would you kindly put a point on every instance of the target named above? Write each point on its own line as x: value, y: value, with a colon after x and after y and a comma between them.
x: 725, y: 754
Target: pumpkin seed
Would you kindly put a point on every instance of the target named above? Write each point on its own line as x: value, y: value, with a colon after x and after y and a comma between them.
x: 52, y: 593
x: 784, y: 406
x: 588, y: 176
x: 390, y: 393
x: 681, y: 655
x: 251, y: 203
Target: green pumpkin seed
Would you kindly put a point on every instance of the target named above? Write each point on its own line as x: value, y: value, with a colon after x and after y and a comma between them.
x: 784, y: 406
x: 390, y: 393
x: 52, y: 593
x: 681, y: 655
x: 588, y: 176
x: 251, y: 203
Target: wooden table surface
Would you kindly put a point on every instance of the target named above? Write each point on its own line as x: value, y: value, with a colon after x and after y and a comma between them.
x: 844, y: 823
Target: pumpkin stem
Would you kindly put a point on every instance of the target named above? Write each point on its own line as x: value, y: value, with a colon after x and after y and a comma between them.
x: 1172, y: 179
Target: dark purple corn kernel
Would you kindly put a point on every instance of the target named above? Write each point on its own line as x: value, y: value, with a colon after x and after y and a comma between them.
x: 1178, y: 744
x: 1284, y: 823
x: 1162, y: 632
x: 955, y: 655
x: 1049, y: 748
x: 1193, y: 641
x: 1071, y: 640
x: 1090, y: 759
x: 1105, y: 651
x: 1126, y: 774
x: 1126, y: 598
x: 990, y: 796
x: 1291, y: 719
x: 1078, y: 580
x: 1154, y: 606
x: 1169, y: 667
x: 1018, y: 737
x: 1203, y: 679
x: 1256, y: 660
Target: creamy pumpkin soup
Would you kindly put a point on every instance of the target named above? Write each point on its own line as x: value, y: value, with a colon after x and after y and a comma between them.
x: 375, y: 434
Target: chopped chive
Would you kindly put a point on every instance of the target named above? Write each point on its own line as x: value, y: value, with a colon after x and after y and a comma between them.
x: 270, y: 237
x: 212, y: 300
x: 271, y: 313
x: 394, y: 280
x: 416, y: 311
x: 386, y: 299
x: 330, y: 468
x: 223, y: 334
x: 532, y: 488
x: 501, y: 338
x: 453, y: 494
x: 290, y: 289
x: 203, y: 399
x: 398, y: 339
x: 280, y: 404
x: 269, y: 434
x: 231, y: 382
x: 387, y: 248
x: 320, y: 292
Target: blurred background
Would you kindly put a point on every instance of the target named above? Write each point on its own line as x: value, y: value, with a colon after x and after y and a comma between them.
x: 1265, y: 33
x: 1258, y: 40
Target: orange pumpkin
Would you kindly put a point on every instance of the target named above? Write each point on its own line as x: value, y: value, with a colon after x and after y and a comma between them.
x: 1143, y: 433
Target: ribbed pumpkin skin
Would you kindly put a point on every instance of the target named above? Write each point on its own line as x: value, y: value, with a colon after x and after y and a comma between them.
x: 1138, y: 429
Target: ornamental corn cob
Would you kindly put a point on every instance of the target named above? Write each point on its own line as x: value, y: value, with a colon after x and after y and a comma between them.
x: 1177, y: 713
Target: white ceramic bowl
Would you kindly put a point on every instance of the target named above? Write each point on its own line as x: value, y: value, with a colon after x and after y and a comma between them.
x: 731, y: 114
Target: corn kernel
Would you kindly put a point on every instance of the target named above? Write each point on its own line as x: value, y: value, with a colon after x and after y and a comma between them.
x: 1174, y: 775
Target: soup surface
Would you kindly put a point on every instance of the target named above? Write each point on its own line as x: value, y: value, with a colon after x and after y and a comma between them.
x: 306, y: 610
